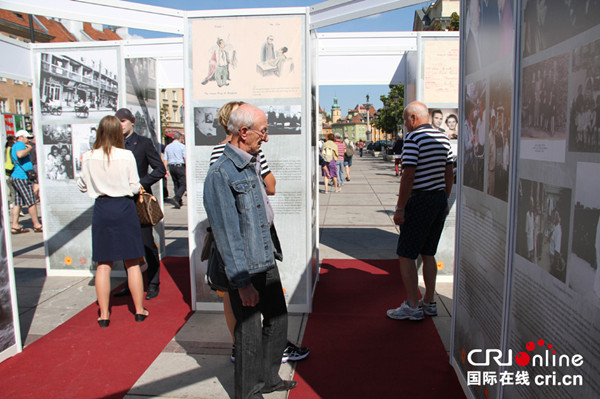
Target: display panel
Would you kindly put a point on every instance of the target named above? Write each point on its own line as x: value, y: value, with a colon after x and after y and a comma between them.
x: 77, y: 87
x: 260, y: 60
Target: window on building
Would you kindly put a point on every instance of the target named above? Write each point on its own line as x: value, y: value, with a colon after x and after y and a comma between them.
x: 165, y: 96
x: 19, y: 106
x: 18, y: 82
x: 174, y: 97
x: 175, y: 116
x: 3, y: 105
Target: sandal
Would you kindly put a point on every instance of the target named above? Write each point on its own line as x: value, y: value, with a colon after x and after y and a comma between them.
x: 18, y: 230
x: 38, y: 229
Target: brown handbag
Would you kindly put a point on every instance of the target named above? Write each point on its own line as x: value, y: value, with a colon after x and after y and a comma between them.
x: 148, y: 209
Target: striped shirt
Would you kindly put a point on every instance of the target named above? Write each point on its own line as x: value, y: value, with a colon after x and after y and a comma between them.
x: 218, y: 151
x: 429, y: 151
x: 341, y: 149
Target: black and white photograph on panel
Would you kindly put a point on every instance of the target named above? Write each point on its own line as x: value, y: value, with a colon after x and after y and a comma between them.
x: 58, y: 162
x: 283, y: 119
x: 78, y: 84
x: 543, y: 220
x: 207, y: 129
x: 547, y: 23
x: 544, y: 105
x: 584, y: 98
x: 56, y: 134
x: 584, y: 260
x: 473, y: 135
x: 84, y: 136
x: 141, y: 95
x: 7, y: 329
x: 499, y: 135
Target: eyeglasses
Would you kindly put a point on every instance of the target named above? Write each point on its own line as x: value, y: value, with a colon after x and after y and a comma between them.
x: 262, y: 133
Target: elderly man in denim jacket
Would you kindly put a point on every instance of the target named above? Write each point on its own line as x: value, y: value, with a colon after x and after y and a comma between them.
x: 241, y: 219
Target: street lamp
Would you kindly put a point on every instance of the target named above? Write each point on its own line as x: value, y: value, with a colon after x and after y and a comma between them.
x: 395, y: 98
x: 368, y: 107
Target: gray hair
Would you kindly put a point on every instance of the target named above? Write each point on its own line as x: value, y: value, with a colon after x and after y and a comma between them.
x: 241, y: 116
x: 177, y: 136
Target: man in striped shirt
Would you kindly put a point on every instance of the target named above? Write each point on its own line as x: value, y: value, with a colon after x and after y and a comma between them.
x: 340, y: 161
x: 421, y: 209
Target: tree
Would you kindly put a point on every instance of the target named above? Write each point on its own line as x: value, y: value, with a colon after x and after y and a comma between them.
x: 390, y: 117
x: 454, y: 22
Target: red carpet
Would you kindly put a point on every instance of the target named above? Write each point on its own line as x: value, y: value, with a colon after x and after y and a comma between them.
x: 80, y: 360
x: 357, y: 352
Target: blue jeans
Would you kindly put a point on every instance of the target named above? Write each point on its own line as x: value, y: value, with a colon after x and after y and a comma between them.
x: 341, y: 172
x: 259, y: 345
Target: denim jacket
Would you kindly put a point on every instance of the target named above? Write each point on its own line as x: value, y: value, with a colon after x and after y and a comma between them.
x: 236, y: 212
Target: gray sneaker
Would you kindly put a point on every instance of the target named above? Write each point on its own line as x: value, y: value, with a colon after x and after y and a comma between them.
x: 430, y: 309
x: 406, y: 312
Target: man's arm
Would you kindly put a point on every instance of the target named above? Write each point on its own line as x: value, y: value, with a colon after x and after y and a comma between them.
x: 24, y: 152
x: 406, y: 184
x: 158, y: 168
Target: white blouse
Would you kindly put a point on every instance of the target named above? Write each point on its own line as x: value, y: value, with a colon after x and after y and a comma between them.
x: 117, y: 178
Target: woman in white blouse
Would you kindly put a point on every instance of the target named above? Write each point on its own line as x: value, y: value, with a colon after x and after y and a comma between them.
x: 109, y: 176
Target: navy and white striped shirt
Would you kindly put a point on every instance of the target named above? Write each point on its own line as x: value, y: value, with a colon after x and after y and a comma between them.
x: 428, y: 149
x: 264, y: 165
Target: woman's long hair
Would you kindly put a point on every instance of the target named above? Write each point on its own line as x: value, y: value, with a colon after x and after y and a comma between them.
x: 109, y: 135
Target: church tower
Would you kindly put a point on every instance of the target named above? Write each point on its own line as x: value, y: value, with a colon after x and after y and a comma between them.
x: 336, y: 112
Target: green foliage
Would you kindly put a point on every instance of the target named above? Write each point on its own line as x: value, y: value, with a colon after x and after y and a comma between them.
x: 390, y: 117
x: 455, y: 22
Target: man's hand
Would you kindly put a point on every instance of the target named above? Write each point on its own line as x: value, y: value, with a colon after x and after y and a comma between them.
x: 248, y: 295
x: 399, y: 217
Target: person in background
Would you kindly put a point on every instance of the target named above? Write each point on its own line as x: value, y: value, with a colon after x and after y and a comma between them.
x: 109, y: 176
x: 397, y: 149
x: 452, y: 123
x: 8, y: 168
x: 340, y: 159
x: 348, y: 156
x: 25, y: 189
x: 361, y: 146
x: 146, y: 156
x: 330, y: 156
x: 174, y: 160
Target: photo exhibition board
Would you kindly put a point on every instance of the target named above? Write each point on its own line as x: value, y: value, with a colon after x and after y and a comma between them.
x: 485, y: 152
x: 9, y: 321
x: 260, y: 60
x: 73, y: 89
x: 555, y: 293
x: 542, y: 296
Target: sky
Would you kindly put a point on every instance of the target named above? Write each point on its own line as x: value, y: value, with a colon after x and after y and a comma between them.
x: 348, y: 96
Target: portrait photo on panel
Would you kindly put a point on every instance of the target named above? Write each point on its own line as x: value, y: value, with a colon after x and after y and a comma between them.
x: 446, y: 120
x: 207, y: 129
x: 473, y: 135
x: 544, y: 100
x: 56, y: 134
x: 498, y: 136
x: 58, y: 162
x: 584, y: 266
x: 584, y: 98
x: 543, y: 220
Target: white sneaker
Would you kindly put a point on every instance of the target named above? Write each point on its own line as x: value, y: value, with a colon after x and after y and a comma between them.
x: 406, y: 312
x: 430, y: 309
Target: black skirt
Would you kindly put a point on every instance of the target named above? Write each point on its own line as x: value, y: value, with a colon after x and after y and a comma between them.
x: 116, y: 231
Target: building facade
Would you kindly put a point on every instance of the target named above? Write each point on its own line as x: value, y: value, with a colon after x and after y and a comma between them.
x: 171, y: 111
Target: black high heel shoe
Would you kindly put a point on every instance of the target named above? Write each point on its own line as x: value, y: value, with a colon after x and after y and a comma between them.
x: 103, y: 323
x: 139, y: 317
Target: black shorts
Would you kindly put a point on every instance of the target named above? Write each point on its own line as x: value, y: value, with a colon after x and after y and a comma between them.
x: 424, y: 218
